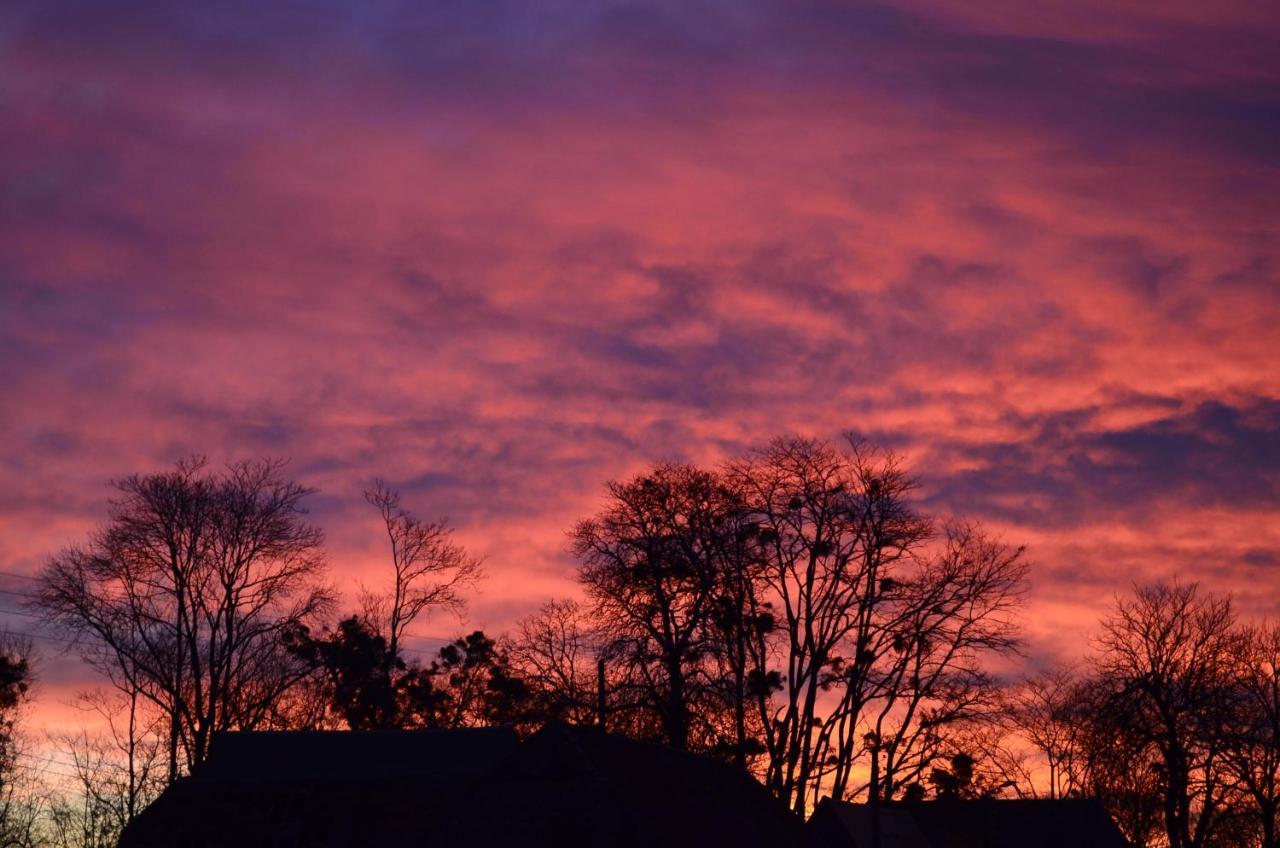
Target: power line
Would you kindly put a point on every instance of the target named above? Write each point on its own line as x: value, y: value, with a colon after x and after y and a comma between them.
x: 22, y: 613
x: 45, y: 638
x: 442, y: 640
x: 38, y: 758
x: 64, y: 641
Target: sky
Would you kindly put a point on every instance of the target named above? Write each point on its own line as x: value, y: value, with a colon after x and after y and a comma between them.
x: 499, y: 253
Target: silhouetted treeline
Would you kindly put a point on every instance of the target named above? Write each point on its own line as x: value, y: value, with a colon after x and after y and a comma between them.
x: 1172, y: 721
x: 186, y: 597
x: 792, y: 610
x: 19, y: 821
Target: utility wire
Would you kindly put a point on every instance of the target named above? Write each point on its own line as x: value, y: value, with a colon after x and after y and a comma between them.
x: 443, y: 640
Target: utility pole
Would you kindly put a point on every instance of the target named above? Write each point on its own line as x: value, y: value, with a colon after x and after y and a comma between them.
x: 873, y: 791
x: 600, y: 696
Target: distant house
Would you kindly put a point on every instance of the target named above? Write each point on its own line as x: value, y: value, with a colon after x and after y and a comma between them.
x: 562, y: 786
x: 987, y: 823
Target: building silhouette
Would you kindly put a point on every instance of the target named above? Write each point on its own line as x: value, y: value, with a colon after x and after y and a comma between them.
x: 981, y: 823
x: 562, y: 786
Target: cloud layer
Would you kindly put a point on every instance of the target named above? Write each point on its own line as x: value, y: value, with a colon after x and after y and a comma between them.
x: 501, y: 253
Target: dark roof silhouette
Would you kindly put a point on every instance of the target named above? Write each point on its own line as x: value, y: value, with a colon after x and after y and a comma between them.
x: 563, y: 786
x: 357, y: 754
x: 983, y: 823
x: 836, y: 823
x: 624, y: 792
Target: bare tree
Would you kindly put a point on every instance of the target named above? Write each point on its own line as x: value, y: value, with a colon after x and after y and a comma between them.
x: 20, y: 804
x: 190, y: 592
x: 743, y: 620
x: 24, y: 799
x: 1045, y: 711
x: 15, y: 685
x: 809, y: 557
x: 923, y: 678
x: 1165, y: 659
x: 1253, y: 741
x: 1117, y: 767
x: 1084, y: 747
x: 471, y: 684
x: 832, y: 525
x: 117, y: 772
x: 555, y: 651
x: 430, y: 569
x: 1001, y: 766
x: 122, y: 767
x: 649, y: 565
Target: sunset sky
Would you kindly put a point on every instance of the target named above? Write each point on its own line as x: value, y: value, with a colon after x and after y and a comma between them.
x: 499, y: 253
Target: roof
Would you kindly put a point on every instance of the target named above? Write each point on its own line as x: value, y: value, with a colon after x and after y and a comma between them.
x: 983, y: 823
x: 561, y: 786
x: 258, y: 757
x: 853, y: 822
x: 625, y: 792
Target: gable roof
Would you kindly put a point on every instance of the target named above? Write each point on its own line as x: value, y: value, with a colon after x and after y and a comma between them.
x: 272, y: 756
x: 850, y: 824
x: 983, y: 823
x: 628, y: 792
x: 562, y: 786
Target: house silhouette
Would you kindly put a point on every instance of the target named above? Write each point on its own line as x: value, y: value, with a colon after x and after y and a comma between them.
x: 982, y: 823
x: 562, y: 786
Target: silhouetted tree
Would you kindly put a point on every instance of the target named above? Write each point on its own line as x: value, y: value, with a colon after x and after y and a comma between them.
x: 16, y: 824
x: 364, y: 687
x: 474, y: 686
x: 185, y: 595
x: 21, y: 796
x: 831, y: 522
x: 923, y: 687
x: 956, y: 780
x: 1164, y: 664
x: 118, y: 770
x: 832, y: 526
x: 649, y: 565
x: 742, y: 622
x: 1252, y: 744
x: 1044, y: 710
x: 555, y: 653
x: 1066, y: 721
x: 429, y: 569
x: 810, y: 557
x: 363, y: 679
x: 15, y: 683
x: 358, y: 677
x: 1116, y: 767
